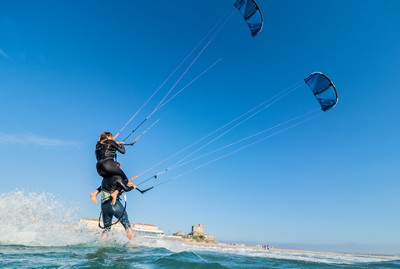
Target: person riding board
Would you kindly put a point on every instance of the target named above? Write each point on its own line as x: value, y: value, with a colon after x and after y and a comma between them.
x: 106, y: 166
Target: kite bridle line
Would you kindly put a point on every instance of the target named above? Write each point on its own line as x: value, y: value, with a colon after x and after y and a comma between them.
x: 299, y: 121
x: 255, y: 110
x: 170, y: 90
x: 264, y: 105
x: 314, y: 88
x: 137, y: 138
x: 166, y: 102
x: 215, y: 29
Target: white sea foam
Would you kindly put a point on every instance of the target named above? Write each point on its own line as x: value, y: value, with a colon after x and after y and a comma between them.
x: 330, y: 258
x: 40, y: 219
x: 316, y: 257
x: 37, y: 219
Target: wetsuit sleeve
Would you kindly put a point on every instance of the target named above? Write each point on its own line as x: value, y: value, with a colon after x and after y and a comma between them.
x: 120, y: 148
x: 99, y: 189
x: 123, y: 184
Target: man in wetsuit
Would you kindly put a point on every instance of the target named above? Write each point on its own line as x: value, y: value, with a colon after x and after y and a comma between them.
x: 108, y: 186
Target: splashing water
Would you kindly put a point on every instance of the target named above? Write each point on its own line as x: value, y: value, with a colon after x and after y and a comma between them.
x: 37, y: 219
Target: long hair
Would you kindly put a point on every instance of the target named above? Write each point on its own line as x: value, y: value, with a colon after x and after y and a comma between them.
x: 104, y: 136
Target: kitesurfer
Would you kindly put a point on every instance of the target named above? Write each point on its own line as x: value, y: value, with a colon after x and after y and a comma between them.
x: 107, y: 166
x: 108, y: 186
x: 106, y: 154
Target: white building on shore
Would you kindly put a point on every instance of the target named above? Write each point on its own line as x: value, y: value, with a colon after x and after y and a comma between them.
x: 139, y: 229
x: 142, y: 229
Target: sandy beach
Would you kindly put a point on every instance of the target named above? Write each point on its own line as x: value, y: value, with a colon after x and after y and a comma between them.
x: 272, y: 249
x: 92, y: 224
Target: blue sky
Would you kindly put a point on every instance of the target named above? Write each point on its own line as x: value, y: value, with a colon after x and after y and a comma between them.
x: 70, y: 70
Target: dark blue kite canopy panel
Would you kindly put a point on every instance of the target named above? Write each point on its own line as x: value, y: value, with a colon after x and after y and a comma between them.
x: 251, y: 14
x: 323, y: 89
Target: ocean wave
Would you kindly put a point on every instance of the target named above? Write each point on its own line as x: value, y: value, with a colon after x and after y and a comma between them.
x: 304, y: 256
x: 40, y: 220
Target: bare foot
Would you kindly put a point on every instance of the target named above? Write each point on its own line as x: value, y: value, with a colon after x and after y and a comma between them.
x: 129, y: 233
x: 104, y: 234
x: 114, y: 196
x: 93, y: 197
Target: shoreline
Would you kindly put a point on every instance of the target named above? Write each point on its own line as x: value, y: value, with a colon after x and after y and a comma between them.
x: 272, y: 249
x: 92, y: 225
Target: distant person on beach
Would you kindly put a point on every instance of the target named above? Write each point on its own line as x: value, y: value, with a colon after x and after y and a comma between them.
x: 265, y: 247
x: 108, y: 186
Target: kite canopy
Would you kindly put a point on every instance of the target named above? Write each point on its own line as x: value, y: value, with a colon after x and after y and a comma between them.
x: 323, y: 89
x: 251, y: 14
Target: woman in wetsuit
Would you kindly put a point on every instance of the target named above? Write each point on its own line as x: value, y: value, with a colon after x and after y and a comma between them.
x: 106, y: 154
x: 107, y: 166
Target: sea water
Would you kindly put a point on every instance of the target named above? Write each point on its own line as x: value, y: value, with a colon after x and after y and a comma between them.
x: 29, y: 238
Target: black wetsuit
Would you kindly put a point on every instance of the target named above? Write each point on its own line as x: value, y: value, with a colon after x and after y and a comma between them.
x: 108, y: 186
x: 106, y: 154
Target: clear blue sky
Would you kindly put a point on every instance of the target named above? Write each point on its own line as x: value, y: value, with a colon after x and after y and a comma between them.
x: 71, y: 69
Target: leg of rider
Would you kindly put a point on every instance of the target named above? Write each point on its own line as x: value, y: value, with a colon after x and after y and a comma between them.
x: 120, y: 212
x: 108, y: 213
x: 114, y: 196
x: 111, y: 168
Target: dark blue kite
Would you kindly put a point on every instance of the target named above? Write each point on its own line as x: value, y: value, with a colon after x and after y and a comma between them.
x: 251, y: 14
x: 323, y: 89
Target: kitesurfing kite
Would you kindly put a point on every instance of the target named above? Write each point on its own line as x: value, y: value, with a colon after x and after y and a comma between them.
x: 251, y: 14
x: 323, y: 89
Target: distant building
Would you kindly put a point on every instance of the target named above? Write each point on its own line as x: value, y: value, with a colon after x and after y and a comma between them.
x: 140, y: 229
x: 197, y: 230
x: 197, y: 234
